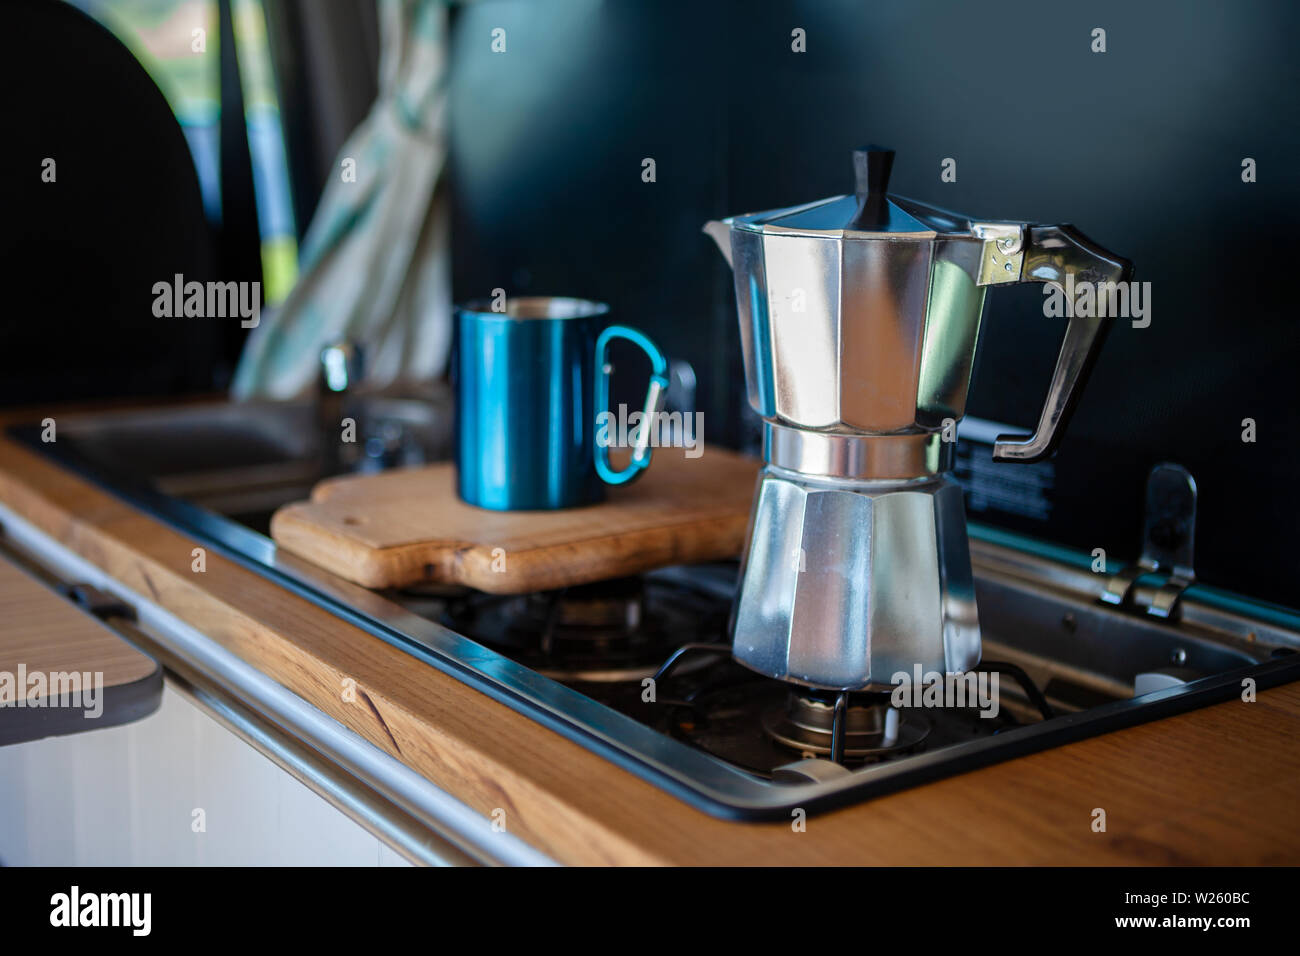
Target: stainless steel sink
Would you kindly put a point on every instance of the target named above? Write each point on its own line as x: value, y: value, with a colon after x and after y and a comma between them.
x: 244, y: 460
x: 218, y: 438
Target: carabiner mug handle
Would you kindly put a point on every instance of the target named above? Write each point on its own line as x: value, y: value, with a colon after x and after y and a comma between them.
x: 654, y: 402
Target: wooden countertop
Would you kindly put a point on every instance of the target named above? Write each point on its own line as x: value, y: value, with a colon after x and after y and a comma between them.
x: 43, y: 633
x: 1219, y: 785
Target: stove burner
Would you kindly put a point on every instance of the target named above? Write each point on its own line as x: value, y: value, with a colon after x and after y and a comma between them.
x: 605, y: 638
x: 759, y: 724
x: 872, y: 728
x: 609, y: 631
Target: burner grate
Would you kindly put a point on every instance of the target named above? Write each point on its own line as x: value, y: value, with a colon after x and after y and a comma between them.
x: 609, y: 632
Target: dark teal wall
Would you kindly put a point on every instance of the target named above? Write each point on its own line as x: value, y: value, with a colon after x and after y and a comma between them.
x: 1140, y: 146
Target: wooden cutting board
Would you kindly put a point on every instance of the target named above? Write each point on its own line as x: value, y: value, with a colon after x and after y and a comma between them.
x: 407, y: 527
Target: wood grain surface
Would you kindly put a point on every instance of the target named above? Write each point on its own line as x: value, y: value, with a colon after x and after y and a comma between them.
x: 1219, y: 785
x: 52, y: 653
x: 408, y: 527
x: 45, y: 632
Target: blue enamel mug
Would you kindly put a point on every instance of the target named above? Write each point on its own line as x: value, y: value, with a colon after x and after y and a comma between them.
x: 531, y: 379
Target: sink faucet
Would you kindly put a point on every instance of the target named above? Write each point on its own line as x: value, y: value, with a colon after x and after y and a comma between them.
x: 341, y: 367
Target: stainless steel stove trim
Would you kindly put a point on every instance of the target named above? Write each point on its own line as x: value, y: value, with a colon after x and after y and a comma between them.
x: 701, y: 780
x: 1040, y: 561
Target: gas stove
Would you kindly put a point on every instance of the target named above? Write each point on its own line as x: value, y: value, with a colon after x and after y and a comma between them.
x: 640, y: 670
x: 1061, y: 665
x: 655, y: 649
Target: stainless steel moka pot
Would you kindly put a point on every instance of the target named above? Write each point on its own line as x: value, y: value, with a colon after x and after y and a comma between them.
x: 859, y: 317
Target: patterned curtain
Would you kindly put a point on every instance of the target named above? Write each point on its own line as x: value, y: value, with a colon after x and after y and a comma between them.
x: 375, y: 264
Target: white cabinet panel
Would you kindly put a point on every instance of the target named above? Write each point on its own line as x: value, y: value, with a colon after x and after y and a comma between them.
x: 127, y: 795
